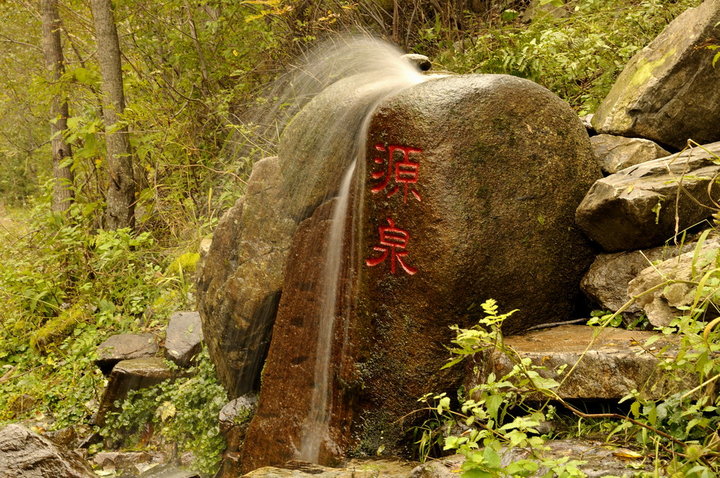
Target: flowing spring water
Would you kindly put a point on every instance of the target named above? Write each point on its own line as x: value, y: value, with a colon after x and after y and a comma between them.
x: 322, y: 109
x: 377, y: 71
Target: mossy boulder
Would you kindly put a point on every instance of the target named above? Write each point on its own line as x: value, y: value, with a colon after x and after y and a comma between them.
x: 468, y: 192
x: 668, y: 92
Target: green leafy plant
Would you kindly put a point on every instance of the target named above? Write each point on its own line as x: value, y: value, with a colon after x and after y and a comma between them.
x: 181, y: 412
x: 494, y: 416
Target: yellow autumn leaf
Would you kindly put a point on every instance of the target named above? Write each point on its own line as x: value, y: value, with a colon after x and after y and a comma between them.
x: 626, y: 454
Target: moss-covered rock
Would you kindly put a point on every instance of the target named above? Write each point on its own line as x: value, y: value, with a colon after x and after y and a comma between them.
x: 669, y: 91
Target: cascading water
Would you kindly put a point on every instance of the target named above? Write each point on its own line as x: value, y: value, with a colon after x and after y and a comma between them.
x: 387, y: 73
x: 323, y: 111
x: 369, y: 71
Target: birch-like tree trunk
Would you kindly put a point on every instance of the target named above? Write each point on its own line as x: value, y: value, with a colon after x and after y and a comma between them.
x: 61, y: 151
x: 120, y: 197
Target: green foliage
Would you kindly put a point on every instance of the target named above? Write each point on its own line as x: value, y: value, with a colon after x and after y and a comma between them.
x: 679, y: 433
x: 65, y: 288
x: 494, y: 414
x: 577, y: 57
x: 182, y: 412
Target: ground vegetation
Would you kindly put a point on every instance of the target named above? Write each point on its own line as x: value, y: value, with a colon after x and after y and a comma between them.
x: 192, y: 77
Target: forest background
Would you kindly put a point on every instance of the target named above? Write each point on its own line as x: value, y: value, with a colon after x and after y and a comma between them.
x: 97, y: 240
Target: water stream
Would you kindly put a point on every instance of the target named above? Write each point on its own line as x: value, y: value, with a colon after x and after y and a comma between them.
x: 379, y: 71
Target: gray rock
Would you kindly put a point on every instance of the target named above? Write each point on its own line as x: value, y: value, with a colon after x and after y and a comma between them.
x: 239, y: 285
x: 637, y: 207
x: 237, y: 411
x: 606, y: 282
x: 587, y: 122
x: 25, y: 454
x: 616, y: 363
x: 234, y: 419
x: 131, y: 375
x: 128, y: 461
x: 664, y: 304
x: 184, y: 336
x: 617, y: 152
x: 125, y: 347
x: 668, y: 91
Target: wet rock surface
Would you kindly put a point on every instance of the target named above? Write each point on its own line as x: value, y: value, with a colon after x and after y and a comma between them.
x: 184, y: 337
x: 615, y: 364
x: 25, y: 454
x: 668, y: 91
x: 234, y: 419
x: 125, y: 347
x: 617, y: 152
x: 642, y: 206
x: 464, y: 225
x: 483, y: 209
x: 274, y: 435
x: 666, y: 303
x: 239, y: 285
x: 131, y: 375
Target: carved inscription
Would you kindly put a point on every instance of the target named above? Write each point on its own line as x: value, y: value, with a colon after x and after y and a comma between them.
x: 393, y: 242
x: 399, y: 171
x: 396, y: 172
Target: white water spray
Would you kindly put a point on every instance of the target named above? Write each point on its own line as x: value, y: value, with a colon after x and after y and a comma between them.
x: 378, y: 71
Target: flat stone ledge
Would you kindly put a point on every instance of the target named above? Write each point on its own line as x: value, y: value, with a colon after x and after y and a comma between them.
x: 124, y: 347
x: 615, y: 364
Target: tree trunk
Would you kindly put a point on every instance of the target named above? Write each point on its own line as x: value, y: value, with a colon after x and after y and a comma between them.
x: 121, y: 188
x: 52, y: 49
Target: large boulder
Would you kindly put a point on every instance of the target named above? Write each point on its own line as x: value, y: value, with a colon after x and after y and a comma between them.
x: 25, y: 454
x: 468, y: 194
x: 668, y: 91
x: 645, y: 205
x: 467, y: 191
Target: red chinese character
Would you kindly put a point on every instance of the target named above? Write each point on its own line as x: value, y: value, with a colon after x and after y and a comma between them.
x: 401, y: 171
x: 393, y: 241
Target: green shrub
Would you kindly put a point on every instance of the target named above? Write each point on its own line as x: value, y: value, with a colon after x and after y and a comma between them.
x: 577, y: 57
x: 183, y: 411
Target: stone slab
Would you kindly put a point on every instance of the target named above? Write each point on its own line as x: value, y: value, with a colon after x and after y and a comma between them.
x: 124, y: 347
x: 615, y: 364
x: 131, y: 375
